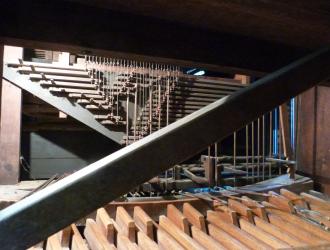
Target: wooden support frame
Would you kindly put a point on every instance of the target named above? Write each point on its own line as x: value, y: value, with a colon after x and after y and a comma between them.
x: 102, y: 177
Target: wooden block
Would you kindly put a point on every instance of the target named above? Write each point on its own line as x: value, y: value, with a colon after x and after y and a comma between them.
x: 262, y: 235
x: 78, y: 243
x: 166, y: 241
x: 227, y: 214
x: 293, y: 229
x: 194, y: 216
x: 178, y: 218
x: 204, y: 239
x: 296, y: 199
x: 124, y: 243
x: 182, y: 238
x: 95, y: 238
x: 224, y: 238
x: 316, y: 201
x: 279, y: 233
x: 256, y: 208
x: 242, y: 236
x: 145, y: 242
x: 241, y: 209
x: 126, y: 223
x: 280, y: 202
x: 298, y: 222
x: 65, y: 237
x: 106, y: 224
x: 53, y: 243
x: 144, y: 222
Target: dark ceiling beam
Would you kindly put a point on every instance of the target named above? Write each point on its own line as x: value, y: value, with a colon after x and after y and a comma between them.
x: 34, y: 218
x: 70, y: 24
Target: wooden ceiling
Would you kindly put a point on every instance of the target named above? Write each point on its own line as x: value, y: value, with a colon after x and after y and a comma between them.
x: 302, y: 23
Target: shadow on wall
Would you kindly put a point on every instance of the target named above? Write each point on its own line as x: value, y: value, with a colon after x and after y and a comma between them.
x: 59, y: 152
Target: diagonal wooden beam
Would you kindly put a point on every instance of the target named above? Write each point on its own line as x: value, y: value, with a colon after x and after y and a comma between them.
x: 42, y: 214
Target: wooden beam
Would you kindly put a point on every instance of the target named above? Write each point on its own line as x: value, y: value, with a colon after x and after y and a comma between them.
x: 194, y: 216
x: 126, y: 223
x: 205, y: 240
x: 96, y: 240
x: 145, y: 242
x: 143, y: 222
x: 106, y: 225
x: 10, y: 124
x: 166, y: 241
x: 178, y: 218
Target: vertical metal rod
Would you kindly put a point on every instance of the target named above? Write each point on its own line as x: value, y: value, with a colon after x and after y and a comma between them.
x: 151, y: 98
x: 270, y: 141
x: 247, y: 151
x: 252, y: 149
x: 234, y: 157
x: 280, y: 141
x: 159, y: 100
x: 263, y: 147
x: 127, y: 104
x: 167, y: 96
x: 135, y: 102
x: 258, y: 148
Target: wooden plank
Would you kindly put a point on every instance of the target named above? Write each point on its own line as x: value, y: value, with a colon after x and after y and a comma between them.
x: 224, y: 238
x: 316, y: 201
x: 178, y: 218
x: 71, y: 90
x: 256, y: 208
x: 126, y: 223
x: 262, y: 235
x: 166, y: 241
x: 205, y: 240
x: 279, y: 233
x: 285, y: 130
x: 280, y: 202
x: 106, y: 224
x: 227, y: 214
x: 124, y: 243
x: 95, y: 238
x: 145, y: 242
x: 39, y: 77
x: 194, y: 216
x: 25, y: 69
x: 182, y: 238
x: 242, y: 236
x: 77, y: 243
x: 143, y: 222
x: 10, y: 123
x: 53, y: 243
x: 241, y: 209
x: 293, y: 229
x: 296, y: 221
x: 67, y: 84
x: 295, y: 198
x: 65, y: 237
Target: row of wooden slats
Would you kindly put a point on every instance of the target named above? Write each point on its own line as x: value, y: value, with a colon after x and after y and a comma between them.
x: 237, y: 223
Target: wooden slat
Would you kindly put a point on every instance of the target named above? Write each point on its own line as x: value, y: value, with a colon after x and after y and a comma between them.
x: 53, y: 243
x: 244, y: 237
x: 106, y: 224
x: 224, y: 238
x: 71, y: 90
x: 227, y: 214
x: 166, y: 241
x: 95, y: 238
x: 262, y: 235
x: 298, y: 232
x: 241, y: 209
x: 279, y: 233
x: 67, y: 84
x: 256, y: 208
x: 77, y: 243
x: 280, y: 202
x: 204, y: 239
x: 126, y: 223
x: 316, y: 201
x: 124, y: 243
x: 185, y: 240
x: 295, y: 198
x: 51, y: 71
x: 38, y: 77
x: 194, y: 216
x: 145, y: 242
x: 178, y: 218
x: 144, y: 222
x: 298, y: 222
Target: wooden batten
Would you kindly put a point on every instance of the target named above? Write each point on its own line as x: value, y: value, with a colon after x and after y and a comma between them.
x: 294, y: 198
x: 126, y: 223
x: 178, y: 218
x: 106, y: 224
x: 205, y: 240
x: 144, y: 222
x: 145, y: 242
x: 185, y: 240
x: 166, y: 241
x: 241, y: 209
x: 256, y: 208
x: 95, y: 238
x: 194, y: 216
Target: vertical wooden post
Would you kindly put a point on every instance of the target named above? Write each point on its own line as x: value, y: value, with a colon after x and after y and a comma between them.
x: 10, y: 123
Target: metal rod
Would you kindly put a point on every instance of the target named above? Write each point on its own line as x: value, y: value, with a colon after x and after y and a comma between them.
x: 263, y: 147
x: 247, y: 150
x: 270, y: 140
x: 258, y: 148
x: 33, y: 219
x: 252, y: 149
x: 234, y: 157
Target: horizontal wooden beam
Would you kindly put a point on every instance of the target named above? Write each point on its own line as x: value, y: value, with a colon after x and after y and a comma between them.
x: 91, y: 29
x: 36, y: 217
